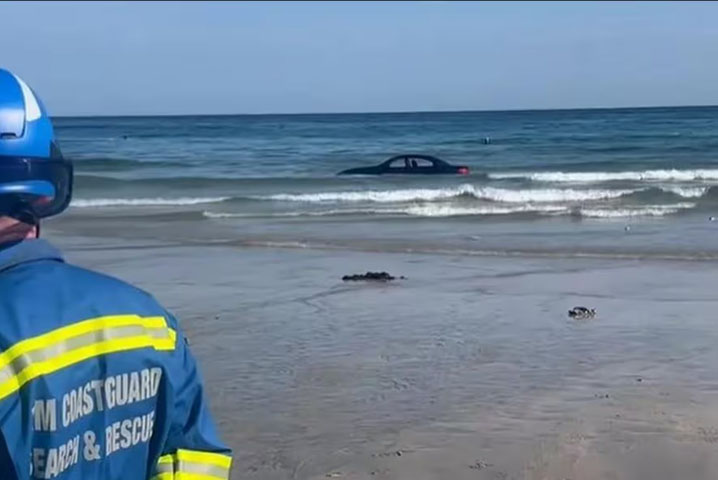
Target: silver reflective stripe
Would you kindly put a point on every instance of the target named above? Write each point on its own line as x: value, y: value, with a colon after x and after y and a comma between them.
x: 23, y: 361
x: 184, y: 466
x: 165, y: 468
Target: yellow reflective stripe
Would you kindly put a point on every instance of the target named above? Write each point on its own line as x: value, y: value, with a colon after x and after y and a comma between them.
x: 197, y: 476
x: 165, y: 468
x: 163, y: 476
x: 205, y: 470
x: 165, y: 465
x: 194, y: 465
x: 79, y: 328
x: 207, y: 458
x: 50, y: 352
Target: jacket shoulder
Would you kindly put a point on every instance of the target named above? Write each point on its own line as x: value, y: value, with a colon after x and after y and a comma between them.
x: 104, y: 287
x: 75, y: 289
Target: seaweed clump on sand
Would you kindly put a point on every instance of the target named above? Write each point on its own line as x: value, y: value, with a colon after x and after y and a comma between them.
x: 371, y: 276
x: 582, y: 312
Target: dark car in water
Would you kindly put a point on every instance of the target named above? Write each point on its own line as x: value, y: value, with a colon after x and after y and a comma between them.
x: 410, y: 165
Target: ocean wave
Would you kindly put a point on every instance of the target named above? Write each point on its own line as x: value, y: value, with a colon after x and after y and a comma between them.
x: 144, y: 202
x: 686, y: 192
x: 417, y: 198
x: 645, y: 211
x: 208, y: 214
x: 428, y: 195
x: 456, y: 211
x: 449, y: 210
x: 547, y: 195
x: 426, y: 210
x: 376, y: 196
x: 597, y: 177
x: 320, y: 213
x: 666, y: 194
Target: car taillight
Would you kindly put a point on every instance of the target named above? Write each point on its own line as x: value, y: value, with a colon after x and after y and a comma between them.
x: 462, y: 170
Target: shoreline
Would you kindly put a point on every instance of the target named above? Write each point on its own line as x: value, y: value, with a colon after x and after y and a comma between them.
x: 327, y: 247
x: 650, y: 240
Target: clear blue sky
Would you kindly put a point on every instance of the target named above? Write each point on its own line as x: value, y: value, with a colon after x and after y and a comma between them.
x: 175, y: 58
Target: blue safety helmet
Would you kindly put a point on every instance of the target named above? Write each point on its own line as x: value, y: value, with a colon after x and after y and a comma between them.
x: 34, y: 177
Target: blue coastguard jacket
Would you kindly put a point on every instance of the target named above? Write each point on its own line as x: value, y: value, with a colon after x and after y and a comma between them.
x: 96, y: 379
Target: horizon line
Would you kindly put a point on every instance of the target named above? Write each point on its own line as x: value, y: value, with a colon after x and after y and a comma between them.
x: 397, y: 112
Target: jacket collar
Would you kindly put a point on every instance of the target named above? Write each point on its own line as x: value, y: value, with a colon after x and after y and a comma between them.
x: 27, y: 251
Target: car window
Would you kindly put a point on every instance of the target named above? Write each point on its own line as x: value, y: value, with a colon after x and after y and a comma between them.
x: 399, y: 163
x: 422, y: 163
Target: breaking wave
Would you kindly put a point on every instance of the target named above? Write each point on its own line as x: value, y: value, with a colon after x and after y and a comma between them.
x: 597, y: 177
x: 644, y: 211
x: 427, y: 195
x: 144, y: 202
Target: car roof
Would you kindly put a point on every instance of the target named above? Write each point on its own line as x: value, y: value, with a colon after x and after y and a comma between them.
x: 415, y: 156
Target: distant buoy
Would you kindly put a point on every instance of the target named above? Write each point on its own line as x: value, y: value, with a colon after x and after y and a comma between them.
x: 711, y: 218
x: 627, y: 228
x: 487, y: 140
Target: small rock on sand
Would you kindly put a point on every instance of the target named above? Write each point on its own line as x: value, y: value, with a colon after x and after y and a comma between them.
x: 479, y: 465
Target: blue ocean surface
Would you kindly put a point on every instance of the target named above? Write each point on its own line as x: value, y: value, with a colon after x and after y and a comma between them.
x: 615, y: 181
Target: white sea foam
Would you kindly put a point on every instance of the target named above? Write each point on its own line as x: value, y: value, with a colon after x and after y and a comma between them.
x: 595, y: 177
x: 320, y: 213
x: 431, y: 210
x: 417, y: 210
x: 377, y: 196
x: 547, y: 195
x: 645, y: 211
x: 686, y: 192
x: 428, y: 195
x: 142, y: 202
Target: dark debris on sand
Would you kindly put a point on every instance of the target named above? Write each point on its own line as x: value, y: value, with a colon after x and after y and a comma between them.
x: 371, y: 276
x: 479, y: 465
x: 582, y: 312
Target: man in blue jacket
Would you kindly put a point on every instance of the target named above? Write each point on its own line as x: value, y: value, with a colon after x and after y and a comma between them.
x: 96, y: 378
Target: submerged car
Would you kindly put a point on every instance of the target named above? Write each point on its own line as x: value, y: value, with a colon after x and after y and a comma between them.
x: 410, y: 165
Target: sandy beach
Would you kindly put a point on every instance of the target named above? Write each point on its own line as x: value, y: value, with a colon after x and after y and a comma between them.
x: 469, y: 368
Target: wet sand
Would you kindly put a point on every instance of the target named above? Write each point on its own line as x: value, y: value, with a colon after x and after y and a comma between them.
x: 470, y: 368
